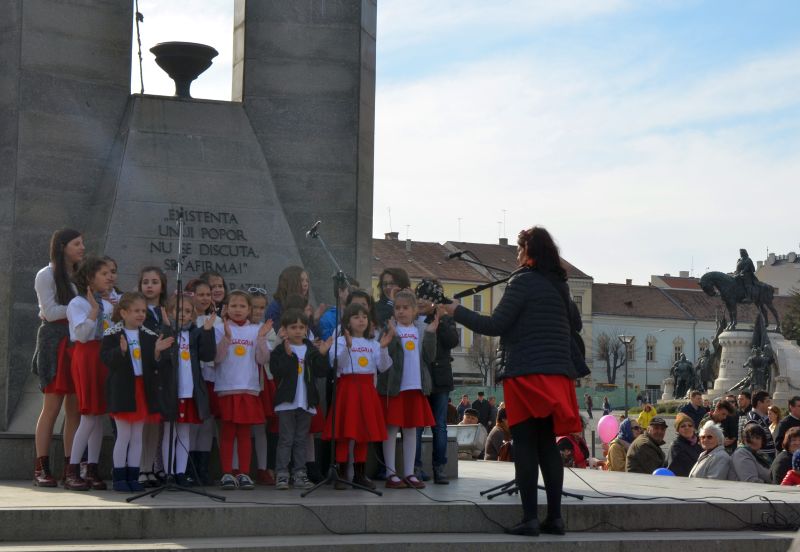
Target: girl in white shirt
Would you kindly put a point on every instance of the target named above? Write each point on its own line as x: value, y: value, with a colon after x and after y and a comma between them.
x: 89, y: 315
x: 358, y: 412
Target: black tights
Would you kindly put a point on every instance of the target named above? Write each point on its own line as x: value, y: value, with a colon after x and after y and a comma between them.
x: 534, y: 448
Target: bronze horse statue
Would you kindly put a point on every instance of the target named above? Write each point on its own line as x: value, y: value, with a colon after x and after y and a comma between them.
x: 732, y: 294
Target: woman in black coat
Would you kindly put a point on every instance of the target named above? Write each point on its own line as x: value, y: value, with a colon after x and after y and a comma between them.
x: 685, y: 449
x: 537, y: 370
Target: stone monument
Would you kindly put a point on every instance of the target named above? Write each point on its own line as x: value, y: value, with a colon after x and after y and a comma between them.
x: 78, y: 149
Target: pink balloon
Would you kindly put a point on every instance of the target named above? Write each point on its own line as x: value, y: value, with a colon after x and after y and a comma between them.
x: 607, y: 428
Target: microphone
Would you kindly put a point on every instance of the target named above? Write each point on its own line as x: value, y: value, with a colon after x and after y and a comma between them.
x: 314, y: 230
x: 454, y: 255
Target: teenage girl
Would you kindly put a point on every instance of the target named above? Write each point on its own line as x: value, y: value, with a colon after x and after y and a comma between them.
x: 202, y: 435
x: 219, y: 289
x: 51, y: 361
x: 293, y: 280
x: 241, y: 347
x: 359, y: 415
x: 406, y: 387
x: 153, y: 285
x: 89, y: 315
x: 130, y: 349
x: 184, y: 398
x: 113, y: 295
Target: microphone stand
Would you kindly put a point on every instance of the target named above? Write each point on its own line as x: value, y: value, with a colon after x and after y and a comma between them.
x: 339, y: 279
x: 169, y: 483
x: 480, y: 288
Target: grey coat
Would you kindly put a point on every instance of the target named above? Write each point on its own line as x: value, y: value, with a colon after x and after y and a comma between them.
x: 389, y: 381
x: 715, y: 464
x: 745, y: 467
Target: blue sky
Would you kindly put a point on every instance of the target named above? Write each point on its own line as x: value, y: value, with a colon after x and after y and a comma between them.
x: 649, y: 137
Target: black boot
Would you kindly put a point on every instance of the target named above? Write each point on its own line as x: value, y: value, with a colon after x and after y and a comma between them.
x: 201, y: 465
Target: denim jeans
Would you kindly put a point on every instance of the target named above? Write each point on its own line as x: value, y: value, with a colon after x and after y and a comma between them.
x: 438, y: 402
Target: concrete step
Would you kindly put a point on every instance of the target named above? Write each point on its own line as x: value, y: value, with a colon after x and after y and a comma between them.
x: 727, y: 541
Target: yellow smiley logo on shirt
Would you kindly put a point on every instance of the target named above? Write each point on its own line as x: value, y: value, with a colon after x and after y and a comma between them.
x: 410, y: 346
x: 239, y: 350
x: 185, y: 355
x: 363, y: 361
x: 137, y: 354
x: 105, y: 324
x: 299, y: 368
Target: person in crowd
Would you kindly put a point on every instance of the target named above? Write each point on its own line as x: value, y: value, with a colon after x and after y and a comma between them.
x: 747, y: 462
x: 792, y: 477
x: 405, y: 386
x: 471, y: 418
x: 219, y: 289
x: 645, y: 454
x: 724, y: 415
x: 328, y: 324
x: 714, y: 462
x: 685, y: 449
x: 452, y: 412
x: 481, y: 405
x: 499, y: 436
x: 606, y: 407
x: 574, y: 450
x: 492, y: 412
x: 774, y: 413
x: 390, y: 281
x: 293, y: 280
x: 462, y: 406
x: 442, y: 384
x: 534, y: 321
x: 52, y: 357
x: 359, y: 414
x: 792, y: 419
x: 589, y: 402
x: 783, y: 461
x: 648, y: 413
x: 759, y: 415
x: 130, y: 350
x: 618, y: 447
x: 241, y: 347
x: 295, y: 364
x: 694, y: 408
x: 744, y: 406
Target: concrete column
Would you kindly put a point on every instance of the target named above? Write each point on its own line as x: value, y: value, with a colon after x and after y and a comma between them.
x: 736, y: 347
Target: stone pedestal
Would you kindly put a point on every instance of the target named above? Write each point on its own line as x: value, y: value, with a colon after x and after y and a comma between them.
x: 736, y: 346
x: 669, y: 389
x: 782, y: 393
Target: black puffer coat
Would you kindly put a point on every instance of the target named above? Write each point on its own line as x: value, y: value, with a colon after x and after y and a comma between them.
x: 532, y: 323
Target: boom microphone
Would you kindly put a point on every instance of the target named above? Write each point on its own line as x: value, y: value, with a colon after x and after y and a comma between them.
x: 314, y: 230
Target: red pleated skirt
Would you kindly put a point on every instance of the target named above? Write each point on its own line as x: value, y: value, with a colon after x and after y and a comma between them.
x: 213, y: 400
x: 540, y: 396
x: 241, y: 408
x: 187, y: 412
x: 267, y: 396
x: 408, y: 409
x: 141, y: 414
x: 89, y: 376
x: 359, y: 415
x: 318, y: 422
x: 62, y: 383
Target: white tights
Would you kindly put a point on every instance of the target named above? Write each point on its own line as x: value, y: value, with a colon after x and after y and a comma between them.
x: 89, y: 434
x: 409, y: 450
x: 180, y: 446
x: 128, y: 446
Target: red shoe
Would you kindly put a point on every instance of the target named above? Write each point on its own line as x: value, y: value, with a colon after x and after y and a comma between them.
x: 73, y: 479
x: 93, y: 478
x: 41, y: 473
x: 414, y: 482
x: 395, y: 482
x: 265, y: 477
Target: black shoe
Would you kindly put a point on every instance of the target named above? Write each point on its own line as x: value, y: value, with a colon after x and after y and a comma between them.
x: 440, y: 475
x: 553, y: 526
x: 528, y: 528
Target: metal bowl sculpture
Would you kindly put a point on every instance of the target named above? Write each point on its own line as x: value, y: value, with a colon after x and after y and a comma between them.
x: 183, y: 62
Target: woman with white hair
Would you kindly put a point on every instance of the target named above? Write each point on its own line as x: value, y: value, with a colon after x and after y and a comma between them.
x: 714, y: 462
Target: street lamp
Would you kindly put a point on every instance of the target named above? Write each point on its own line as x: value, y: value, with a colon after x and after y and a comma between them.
x: 626, y: 340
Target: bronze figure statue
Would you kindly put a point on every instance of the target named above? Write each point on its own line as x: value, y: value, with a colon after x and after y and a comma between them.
x: 703, y: 372
x: 682, y: 372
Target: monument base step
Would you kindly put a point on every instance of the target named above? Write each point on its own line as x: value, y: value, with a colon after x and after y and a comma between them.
x: 727, y: 541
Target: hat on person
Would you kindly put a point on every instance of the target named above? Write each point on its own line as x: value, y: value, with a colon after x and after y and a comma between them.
x: 680, y: 418
x: 658, y: 421
x: 796, y: 460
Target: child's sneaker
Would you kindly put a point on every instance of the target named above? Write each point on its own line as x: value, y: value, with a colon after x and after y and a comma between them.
x: 228, y: 482
x: 301, y: 481
x: 282, y: 482
x: 244, y: 482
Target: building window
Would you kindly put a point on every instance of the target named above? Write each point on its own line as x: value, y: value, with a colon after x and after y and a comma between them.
x: 677, y: 345
x: 703, y: 345
x: 578, y: 300
x: 477, y: 303
x: 651, y: 352
x: 630, y: 350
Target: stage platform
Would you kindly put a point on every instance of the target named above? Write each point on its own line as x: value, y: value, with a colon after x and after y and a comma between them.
x: 658, y: 513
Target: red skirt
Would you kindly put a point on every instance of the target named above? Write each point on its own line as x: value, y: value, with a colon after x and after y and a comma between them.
x: 89, y: 375
x: 540, y: 396
x: 62, y: 383
x: 187, y: 412
x: 408, y: 409
x: 213, y: 400
x: 141, y: 414
x: 359, y: 415
x: 318, y: 422
x: 268, y: 402
x: 241, y: 408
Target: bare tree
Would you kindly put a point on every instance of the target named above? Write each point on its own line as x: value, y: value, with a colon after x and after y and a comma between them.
x: 482, y: 355
x: 612, y: 351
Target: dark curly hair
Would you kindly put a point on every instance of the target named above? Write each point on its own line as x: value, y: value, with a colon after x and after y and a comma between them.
x: 542, y: 251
